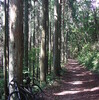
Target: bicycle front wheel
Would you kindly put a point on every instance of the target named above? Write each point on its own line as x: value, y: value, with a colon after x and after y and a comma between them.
x: 17, y: 96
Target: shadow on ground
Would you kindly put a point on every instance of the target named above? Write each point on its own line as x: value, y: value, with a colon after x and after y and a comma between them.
x: 77, y: 84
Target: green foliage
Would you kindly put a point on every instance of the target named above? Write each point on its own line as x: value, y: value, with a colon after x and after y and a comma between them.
x: 63, y: 71
x: 50, y: 77
x: 32, y: 53
x: 1, y: 85
x: 50, y: 58
x: 1, y: 88
x: 89, y: 57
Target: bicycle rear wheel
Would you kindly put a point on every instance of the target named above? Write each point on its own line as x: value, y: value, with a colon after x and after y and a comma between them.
x: 37, y: 92
x: 17, y: 96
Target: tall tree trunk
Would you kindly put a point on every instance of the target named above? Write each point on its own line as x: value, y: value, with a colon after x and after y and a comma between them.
x: 26, y: 36
x: 34, y: 52
x: 66, y: 46
x: 55, y: 53
x: 30, y: 36
x: 43, y: 44
x: 59, y: 34
x: 63, y: 32
x: 50, y: 36
x: 34, y: 26
x: 38, y: 36
x: 47, y: 33
x: 6, y: 51
x: 15, y: 41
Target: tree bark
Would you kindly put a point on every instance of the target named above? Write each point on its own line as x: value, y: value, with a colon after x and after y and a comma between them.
x: 43, y: 44
x: 15, y: 41
x: 47, y: 33
x: 6, y: 51
x: 55, y: 53
x: 26, y: 36
x: 59, y: 34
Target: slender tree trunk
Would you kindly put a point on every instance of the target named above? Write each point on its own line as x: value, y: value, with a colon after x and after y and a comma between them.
x: 66, y: 46
x: 49, y: 44
x: 34, y: 52
x: 55, y: 53
x: 6, y: 51
x: 43, y: 44
x: 26, y: 36
x: 59, y: 34
x: 30, y: 58
x: 47, y: 33
x: 15, y: 41
x: 34, y: 26
x: 63, y: 40
x: 30, y: 36
x: 50, y: 48
x: 38, y: 35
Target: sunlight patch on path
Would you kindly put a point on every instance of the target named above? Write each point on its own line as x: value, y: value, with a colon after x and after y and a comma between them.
x: 76, y: 82
x: 75, y: 92
x: 67, y: 92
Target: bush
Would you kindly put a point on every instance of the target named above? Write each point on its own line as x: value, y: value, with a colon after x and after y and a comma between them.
x: 89, y: 57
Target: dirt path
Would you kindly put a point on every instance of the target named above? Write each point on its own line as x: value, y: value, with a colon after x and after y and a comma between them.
x: 76, y: 84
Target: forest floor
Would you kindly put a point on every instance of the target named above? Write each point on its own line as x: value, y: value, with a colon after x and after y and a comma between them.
x: 76, y: 84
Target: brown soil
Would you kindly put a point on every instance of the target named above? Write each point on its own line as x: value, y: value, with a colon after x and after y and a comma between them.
x: 76, y: 84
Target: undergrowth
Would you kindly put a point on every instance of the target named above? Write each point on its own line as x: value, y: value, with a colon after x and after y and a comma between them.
x: 1, y: 85
x: 89, y: 56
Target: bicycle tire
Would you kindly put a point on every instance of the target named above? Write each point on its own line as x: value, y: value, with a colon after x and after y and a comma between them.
x: 27, y: 93
x: 38, y: 94
x: 15, y: 93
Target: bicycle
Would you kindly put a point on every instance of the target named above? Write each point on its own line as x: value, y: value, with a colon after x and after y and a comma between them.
x: 35, y: 89
x: 26, y: 92
x: 16, y: 94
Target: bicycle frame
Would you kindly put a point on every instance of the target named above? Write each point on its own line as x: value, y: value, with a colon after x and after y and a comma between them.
x: 15, y: 85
